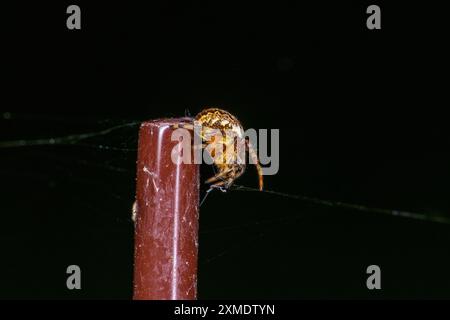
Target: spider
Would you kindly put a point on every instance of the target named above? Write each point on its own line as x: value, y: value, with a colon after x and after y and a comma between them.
x: 210, y: 121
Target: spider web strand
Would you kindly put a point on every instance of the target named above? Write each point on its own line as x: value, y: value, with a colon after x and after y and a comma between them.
x: 352, y: 206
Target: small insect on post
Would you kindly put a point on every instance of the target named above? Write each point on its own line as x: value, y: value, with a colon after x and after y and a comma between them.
x: 166, y: 217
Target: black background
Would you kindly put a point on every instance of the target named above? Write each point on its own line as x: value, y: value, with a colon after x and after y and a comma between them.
x: 361, y: 116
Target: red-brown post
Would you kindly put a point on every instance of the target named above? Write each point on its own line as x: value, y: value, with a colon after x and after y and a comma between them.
x: 166, y: 227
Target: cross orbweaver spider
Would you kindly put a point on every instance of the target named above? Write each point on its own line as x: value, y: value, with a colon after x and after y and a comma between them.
x: 211, y: 120
x: 231, y: 131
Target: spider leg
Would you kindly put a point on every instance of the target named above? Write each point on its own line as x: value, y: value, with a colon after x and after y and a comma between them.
x: 218, y: 177
x: 211, y: 188
x: 255, y: 159
x: 217, y: 150
x: 206, y: 195
x: 221, y: 185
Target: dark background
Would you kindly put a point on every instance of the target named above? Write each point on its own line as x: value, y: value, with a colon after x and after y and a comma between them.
x: 361, y: 117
